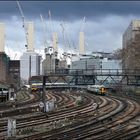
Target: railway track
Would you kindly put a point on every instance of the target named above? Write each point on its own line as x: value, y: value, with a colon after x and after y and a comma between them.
x: 122, y: 113
x: 40, y: 116
x: 75, y: 130
x: 115, y: 118
x: 59, y: 114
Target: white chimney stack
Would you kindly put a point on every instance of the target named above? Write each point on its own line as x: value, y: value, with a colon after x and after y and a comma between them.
x: 55, y: 41
x: 2, y: 35
x: 81, y: 43
x: 30, y: 36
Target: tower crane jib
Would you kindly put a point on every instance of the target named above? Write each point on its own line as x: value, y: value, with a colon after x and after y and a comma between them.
x: 83, y: 23
x: 44, y: 30
x: 24, y: 23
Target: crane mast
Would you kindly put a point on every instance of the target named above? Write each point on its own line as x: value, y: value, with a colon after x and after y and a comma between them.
x: 82, y: 25
x: 50, y: 22
x: 63, y: 29
x: 24, y: 23
x: 44, y: 30
x: 54, y: 37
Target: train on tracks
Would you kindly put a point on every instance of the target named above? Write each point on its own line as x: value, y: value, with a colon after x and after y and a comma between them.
x: 35, y: 87
x: 4, y: 93
x: 97, y: 89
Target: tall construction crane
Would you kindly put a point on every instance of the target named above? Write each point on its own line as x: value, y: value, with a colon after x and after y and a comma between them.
x: 63, y: 29
x: 66, y: 54
x: 51, y: 24
x: 63, y: 34
x: 44, y: 30
x: 82, y: 25
x: 67, y: 37
x: 24, y: 23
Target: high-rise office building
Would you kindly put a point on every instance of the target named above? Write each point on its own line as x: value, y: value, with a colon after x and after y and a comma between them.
x: 29, y: 65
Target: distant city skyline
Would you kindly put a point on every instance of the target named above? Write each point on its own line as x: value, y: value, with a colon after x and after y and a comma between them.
x: 104, y: 25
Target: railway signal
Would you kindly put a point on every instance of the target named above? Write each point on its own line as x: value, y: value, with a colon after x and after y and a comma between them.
x: 94, y: 106
x: 41, y: 105
x: 11, y: 132
x: 11, y: 127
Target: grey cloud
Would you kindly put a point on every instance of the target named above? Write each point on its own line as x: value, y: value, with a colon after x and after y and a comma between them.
x: 104, y: 33
x: 68, y: 10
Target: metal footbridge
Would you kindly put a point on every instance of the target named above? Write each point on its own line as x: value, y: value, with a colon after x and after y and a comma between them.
x: 74, y: 77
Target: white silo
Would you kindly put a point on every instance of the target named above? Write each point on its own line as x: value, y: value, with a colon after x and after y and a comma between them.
x: 30, y: 60
x: 55, y: 41
x: 30, y: 36
x: 81, y: 43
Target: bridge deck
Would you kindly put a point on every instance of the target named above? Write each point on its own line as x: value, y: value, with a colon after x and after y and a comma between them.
x: 89, y: 76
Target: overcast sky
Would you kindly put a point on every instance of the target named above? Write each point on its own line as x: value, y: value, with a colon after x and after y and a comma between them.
x: 105, y: 22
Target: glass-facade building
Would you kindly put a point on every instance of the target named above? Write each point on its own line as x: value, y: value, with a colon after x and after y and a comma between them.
x: 29, y: 65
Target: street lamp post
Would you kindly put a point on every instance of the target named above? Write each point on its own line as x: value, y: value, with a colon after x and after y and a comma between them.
x: 50, y: 63
x: 43, y: 92
x: 50, y: 53
x: 29, y: 66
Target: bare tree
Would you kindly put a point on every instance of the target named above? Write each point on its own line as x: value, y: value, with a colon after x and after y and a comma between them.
x: 117, y: 54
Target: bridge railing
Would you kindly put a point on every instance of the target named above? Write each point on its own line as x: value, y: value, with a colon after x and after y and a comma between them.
x: 88, y: 71
x: 95, y: 72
